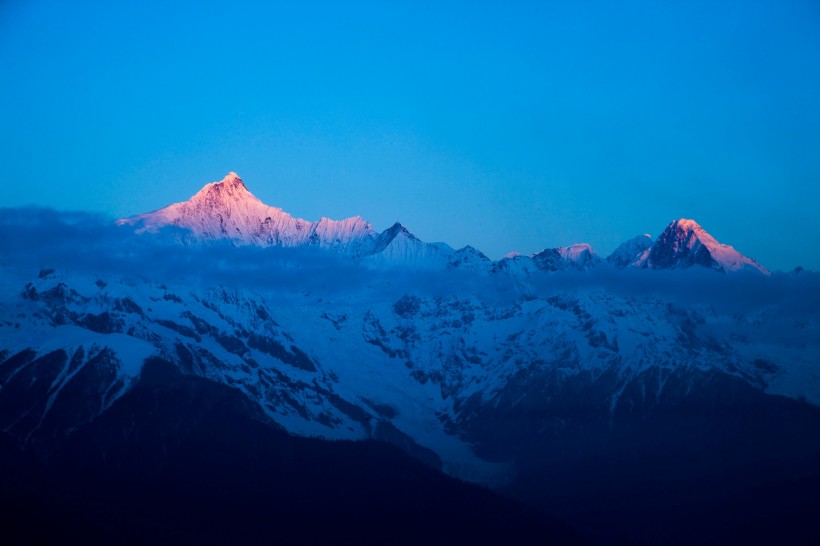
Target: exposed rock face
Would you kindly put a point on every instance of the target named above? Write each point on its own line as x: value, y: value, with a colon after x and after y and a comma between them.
x: 684, y: 244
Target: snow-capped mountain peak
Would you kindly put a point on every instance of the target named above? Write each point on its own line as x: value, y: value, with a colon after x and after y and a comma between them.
x: 632, y: 252
x: 230, y: 186
x: 578, y: 253
x: 577, y: 256
x: 226, y: 193
x: 685, y: 243
x: 233, y: 178
x: 228, y: 210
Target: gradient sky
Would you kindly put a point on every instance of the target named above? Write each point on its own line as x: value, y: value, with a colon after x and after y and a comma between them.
x: 505, y: 125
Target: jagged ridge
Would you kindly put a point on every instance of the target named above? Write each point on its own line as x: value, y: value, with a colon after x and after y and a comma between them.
x: 227, y: 210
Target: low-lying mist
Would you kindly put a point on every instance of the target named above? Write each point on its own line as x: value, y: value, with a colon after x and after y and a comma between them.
x: 32, y: 239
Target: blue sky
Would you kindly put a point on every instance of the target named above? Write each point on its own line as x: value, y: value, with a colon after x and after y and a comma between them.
x: 508, y: 126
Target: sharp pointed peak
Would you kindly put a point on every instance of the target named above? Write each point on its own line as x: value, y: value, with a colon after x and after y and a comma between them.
x: 686, y: 224
x: 231, y: 176
x: 231, y: 187
x: 231, y: 179
x: 469, y: 249
x: 685, y: 243
x: 398, y: 227
x: 688, y: 228
x: 394, y: 231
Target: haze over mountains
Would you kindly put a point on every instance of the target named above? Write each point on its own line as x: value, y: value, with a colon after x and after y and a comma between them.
x: 669, y: 393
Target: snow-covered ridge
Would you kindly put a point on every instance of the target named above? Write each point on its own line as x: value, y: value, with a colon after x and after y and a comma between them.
x: 227, y: 210
x: 345, y: 365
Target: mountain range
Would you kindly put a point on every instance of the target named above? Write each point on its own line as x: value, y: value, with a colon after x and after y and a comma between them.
x: 227, y: 210
x: 668, y: 393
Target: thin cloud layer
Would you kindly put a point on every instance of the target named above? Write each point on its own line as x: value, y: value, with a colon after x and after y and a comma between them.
x: 32, y: 239
x: 36, y: 238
